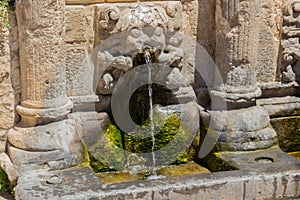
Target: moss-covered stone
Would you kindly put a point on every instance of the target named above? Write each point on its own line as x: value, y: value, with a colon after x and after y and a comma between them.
x: 5, y: 185
x: 295, y: 154
x: 119, y: 177
x: 213, y: 160
x: 117, y: 141
x: 190, y: 168
x: 288, y: 131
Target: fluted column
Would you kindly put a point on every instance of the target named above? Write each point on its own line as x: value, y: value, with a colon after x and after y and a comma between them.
x: 239, y: 123
x: 237, y: 50
x: 42, y: 59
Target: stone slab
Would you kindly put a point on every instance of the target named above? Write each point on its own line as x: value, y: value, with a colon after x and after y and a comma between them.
x: 281, y: 106
x: 288, y: 131
x: 83, y: 184
x: 249, y: 119
x: 54, y: 136
x: 245, y: 141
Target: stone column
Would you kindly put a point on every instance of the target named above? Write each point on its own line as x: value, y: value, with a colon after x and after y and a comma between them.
x: 237, y: 51
x: 239, y: 124
x: 42, y: 60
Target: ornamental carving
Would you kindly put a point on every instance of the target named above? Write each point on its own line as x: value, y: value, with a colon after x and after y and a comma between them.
x: 290, y: 42
x: 141, y: 15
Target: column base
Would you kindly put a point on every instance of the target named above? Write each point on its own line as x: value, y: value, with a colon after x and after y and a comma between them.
x: 32, y: 117
x: 227, y: 101
x: 243, y: 129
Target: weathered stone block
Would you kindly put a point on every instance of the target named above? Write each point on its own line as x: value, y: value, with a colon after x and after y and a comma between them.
x: 89, y: 125
x: 268, y: 41
x: 288, y: 130
x: 79, y: 71
x: 9, y: 168
x: 6, y: 90
x: 246, y: 141
x: 42, y: 144
x: 3, y: 138
x: 79, y: 25
x: 20, y: 157
x: 281, y: 106
x: 248, y: 119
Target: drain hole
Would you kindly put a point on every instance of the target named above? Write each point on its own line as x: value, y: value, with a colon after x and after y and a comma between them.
x: 54, y: 179
x: 264, y: 160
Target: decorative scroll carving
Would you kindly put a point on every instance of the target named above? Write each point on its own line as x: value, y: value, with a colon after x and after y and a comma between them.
x: 110, y: 13
x: 134, y: 26
x: 139, y: 15
x: 290, y: 42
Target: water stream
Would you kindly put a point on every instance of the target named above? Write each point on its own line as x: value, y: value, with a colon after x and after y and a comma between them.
x: 148, y: 63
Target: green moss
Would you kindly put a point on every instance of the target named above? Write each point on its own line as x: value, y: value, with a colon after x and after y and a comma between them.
x: 190, y: 168
x: 87, y: 159
x: 287, y: 129
x: 216, y: 164
x: 119, y: 177
x: 107, y: 151
x: 213, y: 161
x: 295, y: 154
x: 169, y: 130
x: 98, y: 166
x: 5, y: 6
x: 5, y: 185
x: 3, y: 14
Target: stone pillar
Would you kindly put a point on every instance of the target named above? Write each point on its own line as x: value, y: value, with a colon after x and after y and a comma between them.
x: 240, y: 125
x: 42, y: 60
x: 237, y: 51
x: 6, y: 90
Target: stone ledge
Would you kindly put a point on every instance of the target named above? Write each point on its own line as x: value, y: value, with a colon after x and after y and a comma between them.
x: 242, y: 184
x: 70, y: 2
x: 280, y: 106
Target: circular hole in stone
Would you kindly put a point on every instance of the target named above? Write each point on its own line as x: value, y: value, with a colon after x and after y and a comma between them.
x: 54, y: 179
x: 264, y: 160
x: 47, y: 82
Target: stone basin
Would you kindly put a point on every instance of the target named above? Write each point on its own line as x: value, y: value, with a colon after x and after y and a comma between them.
x: 237, y: 60
x: 252, y: 180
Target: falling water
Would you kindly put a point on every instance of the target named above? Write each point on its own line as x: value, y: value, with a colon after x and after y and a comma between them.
x: 148, y: 62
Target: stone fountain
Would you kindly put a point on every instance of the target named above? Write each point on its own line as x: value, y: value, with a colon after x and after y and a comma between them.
x: 231, y: 66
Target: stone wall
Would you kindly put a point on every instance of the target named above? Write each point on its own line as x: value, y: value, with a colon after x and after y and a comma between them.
x: 253, y: 42
x: 6, y: 89
x: 269, y: 40
x: 85, y: 32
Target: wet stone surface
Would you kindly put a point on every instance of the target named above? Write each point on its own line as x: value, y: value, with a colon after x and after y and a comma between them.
x: 81, y: 183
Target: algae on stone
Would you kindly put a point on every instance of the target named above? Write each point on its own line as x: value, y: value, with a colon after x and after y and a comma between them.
x: 5, y: 185
x: 288, y: 130
x: 112, y: 149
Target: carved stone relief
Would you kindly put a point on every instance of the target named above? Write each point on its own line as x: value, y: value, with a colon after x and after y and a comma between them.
x: 127, y: 28
x: 236, y: 49
x: 290, y: 42
x: 142, y: 15
x: 42, y: 62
